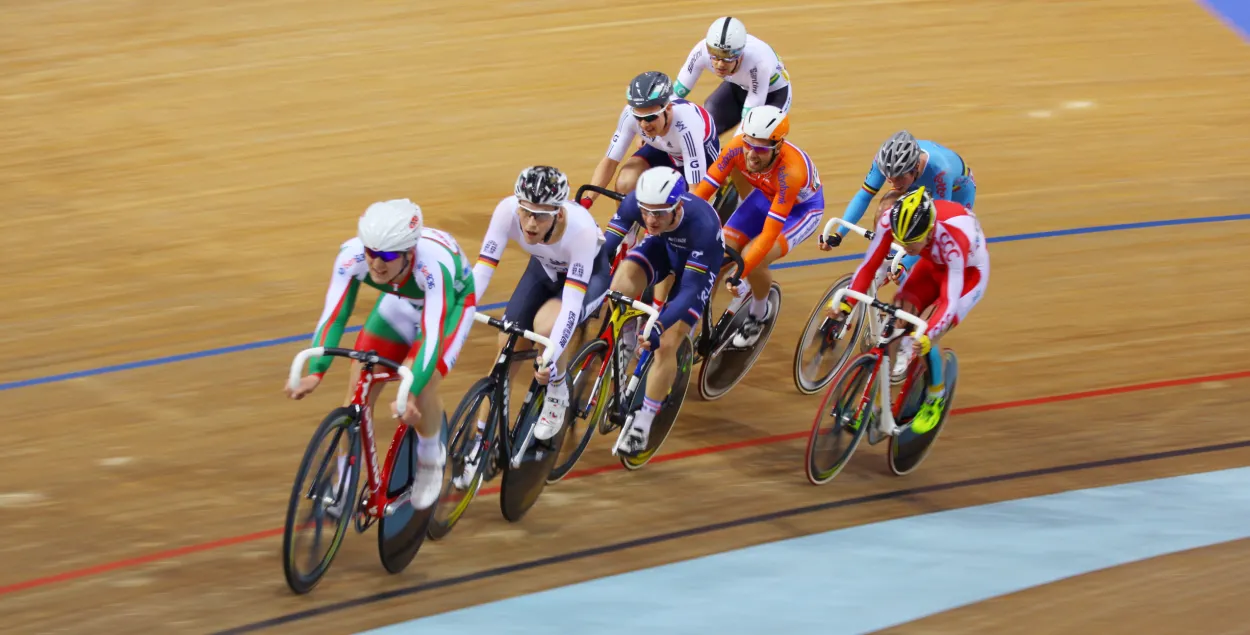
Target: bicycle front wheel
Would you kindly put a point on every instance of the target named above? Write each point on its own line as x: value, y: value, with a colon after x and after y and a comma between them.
x: 590, y: 383
x: 819, y: 354
x: 326, y: 480
x: 844, y: 415
x: 466, y: 457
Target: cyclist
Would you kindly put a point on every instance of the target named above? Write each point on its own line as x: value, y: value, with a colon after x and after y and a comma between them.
x: 556, y: 292
x: 422, y: 317
x: 906, y: 162
x: 752, y: 73
x: 781, y: 212
x: 675, y: 133
x: 951, y: 276
x: 683, y: 239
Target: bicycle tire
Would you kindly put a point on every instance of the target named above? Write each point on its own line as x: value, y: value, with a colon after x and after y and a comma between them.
x: 907, y: 451
x: 720, y: 374
x: 584, y: 365
x: 802, y: 382
x: 339, y: 422
x: 665, y: 419
x: 521, y: 486
x: 453, y: 502
x: 849, y: 390
x: 401, y: 533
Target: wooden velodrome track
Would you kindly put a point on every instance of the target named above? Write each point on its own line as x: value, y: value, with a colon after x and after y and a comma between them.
x: 177, y: 177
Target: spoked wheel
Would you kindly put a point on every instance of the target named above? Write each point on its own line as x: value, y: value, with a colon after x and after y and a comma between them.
x: 721, y: 372
x: 522, y: 485
x: 589, y: 385
x: 820, y: 354
x: 908, y: 450
x: 466, y: 457
x: 835, y: 434
x: 402, y: 532
x: 326, y: 481
x: 667, y: 416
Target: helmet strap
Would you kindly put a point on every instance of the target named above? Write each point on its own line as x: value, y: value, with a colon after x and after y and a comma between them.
x: 551, y: 230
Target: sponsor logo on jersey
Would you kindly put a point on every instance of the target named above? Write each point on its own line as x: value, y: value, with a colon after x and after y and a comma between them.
x: 577, y: 271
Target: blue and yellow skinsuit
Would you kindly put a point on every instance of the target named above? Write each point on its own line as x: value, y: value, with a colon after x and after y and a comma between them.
x: 946, y: 176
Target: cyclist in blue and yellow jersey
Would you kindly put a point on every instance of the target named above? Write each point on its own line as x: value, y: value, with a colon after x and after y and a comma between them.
x: 908, y: 163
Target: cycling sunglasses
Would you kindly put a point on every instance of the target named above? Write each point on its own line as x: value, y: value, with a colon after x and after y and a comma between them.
x: 386, y: 256
x: 649, y: 118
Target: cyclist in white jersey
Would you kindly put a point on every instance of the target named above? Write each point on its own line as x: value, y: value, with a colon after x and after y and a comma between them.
x: 675, y: 133
x: 753, y: 74
x: 559, y: 287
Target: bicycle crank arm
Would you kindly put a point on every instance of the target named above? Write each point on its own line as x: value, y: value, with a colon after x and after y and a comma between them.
x: 525, y: 445
x: 402, y: 500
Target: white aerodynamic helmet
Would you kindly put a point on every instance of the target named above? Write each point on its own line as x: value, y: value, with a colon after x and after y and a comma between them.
x: 391, y: 225
x: 766, y: 122
x: 660, y: 187
x: 726, y: 37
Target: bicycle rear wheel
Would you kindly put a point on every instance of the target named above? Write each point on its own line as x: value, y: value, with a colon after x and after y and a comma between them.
x: 459, y: 491
x: 402, y: 532
x: 908, y: 450
x: 522, y: 485
x: 587, y: 403
x: 327, y: 478
x: 819, y: 355
x: 852, y: 397
x: 721, y: 372
x: 662, y: 425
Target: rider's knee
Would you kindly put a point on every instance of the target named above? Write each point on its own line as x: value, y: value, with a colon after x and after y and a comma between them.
x: 672, y: 337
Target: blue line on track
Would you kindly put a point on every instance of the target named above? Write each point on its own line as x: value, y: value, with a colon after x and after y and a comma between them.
x: 305, y: 337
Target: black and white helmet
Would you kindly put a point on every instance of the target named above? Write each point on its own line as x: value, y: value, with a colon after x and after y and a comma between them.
x: 899, y: 155
x: 542, y: 185
x: 648, y: 90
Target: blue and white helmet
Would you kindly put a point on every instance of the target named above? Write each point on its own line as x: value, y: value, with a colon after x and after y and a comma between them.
x: 660, y: 188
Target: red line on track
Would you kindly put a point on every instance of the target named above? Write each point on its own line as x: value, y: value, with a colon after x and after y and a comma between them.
x: 108, y: 567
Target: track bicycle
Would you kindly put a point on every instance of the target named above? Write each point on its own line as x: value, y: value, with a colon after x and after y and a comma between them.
x: 860, y: 402
x: 329, y: 474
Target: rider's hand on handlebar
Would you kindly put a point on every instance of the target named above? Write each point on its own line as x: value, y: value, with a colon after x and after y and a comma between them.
x: 586, y: 202
x: 543, y: 373
x: 306, y: 386
x: 411, y: 414
x: 827, y: 243
x: 652, y: 343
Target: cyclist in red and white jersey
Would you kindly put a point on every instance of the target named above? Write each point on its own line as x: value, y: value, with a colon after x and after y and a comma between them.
x: 951, y: 276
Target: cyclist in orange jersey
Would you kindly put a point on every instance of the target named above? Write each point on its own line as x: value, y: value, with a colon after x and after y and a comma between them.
x: 781, y: 212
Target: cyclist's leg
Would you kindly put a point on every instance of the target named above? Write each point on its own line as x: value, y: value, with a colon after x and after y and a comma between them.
x: 390, y: 331
x: 724, y: 104
x: 918, y: 292
x: 456, y: 327
x: 643, y: 159
x: 746, y: 223
x: 532, y: 291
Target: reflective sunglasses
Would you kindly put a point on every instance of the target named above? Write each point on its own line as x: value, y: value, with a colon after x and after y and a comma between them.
x: 386, y: 256
x: 758, y: 148
x: 649, y: 118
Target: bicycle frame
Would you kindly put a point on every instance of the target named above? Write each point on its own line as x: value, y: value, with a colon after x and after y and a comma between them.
x: 499, y: 372
x: 883, y: 340
x: 611, y: 333
x: 379, y: 502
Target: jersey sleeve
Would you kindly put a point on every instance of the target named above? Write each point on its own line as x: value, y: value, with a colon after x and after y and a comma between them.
x: 730, y: 155
x: 626, y: 130
x: 339, y: 302
x: 438, y: 285
x: 859, y: 203
x: 878, y: 251
x: 493, y: 245
x: 791, y: 179
x: 626, y: 216
x: 689, y: 74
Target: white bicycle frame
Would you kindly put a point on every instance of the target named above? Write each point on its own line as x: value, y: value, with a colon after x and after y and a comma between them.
x: 634, y: 379
x: 886, y: 425
x: 880, y: 277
